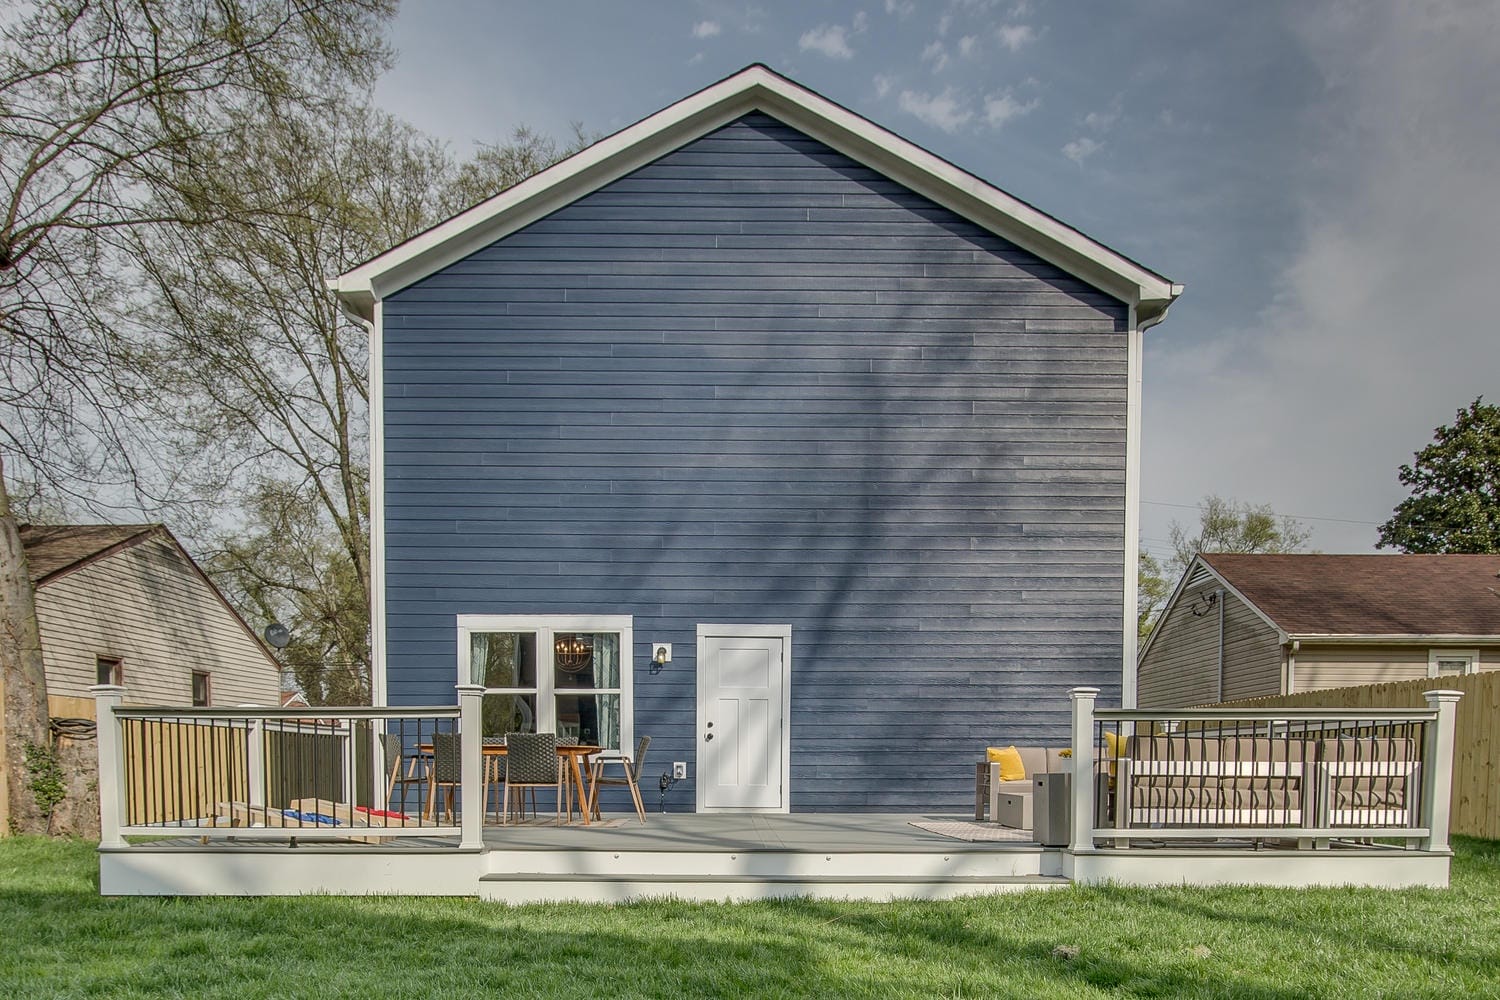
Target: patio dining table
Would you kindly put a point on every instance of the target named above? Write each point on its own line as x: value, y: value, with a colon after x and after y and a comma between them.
x: 576, y: 754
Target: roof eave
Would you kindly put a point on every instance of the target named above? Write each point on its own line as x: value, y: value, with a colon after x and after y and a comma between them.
x: 1395, y: 638
x: 755, y: 88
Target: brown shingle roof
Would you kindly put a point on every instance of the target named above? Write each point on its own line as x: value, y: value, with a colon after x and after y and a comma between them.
x: 1369, y: 594
x: 52, y: 549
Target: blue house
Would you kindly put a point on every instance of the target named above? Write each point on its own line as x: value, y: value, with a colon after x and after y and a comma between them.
x: 759, y: 430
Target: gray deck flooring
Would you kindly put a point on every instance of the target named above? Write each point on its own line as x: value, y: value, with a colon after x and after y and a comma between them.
x: 718, y: 832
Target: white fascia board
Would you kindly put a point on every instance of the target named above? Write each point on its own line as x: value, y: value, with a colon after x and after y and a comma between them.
x: 755, y: 88
x: 1412, y: 639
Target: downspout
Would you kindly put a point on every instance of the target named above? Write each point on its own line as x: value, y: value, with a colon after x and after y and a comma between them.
x: 1219, y: 600
x: 1292, y: 649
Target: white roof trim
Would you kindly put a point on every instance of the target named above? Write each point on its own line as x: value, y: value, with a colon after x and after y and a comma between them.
x: 755, y: 88
x: 1439, y: 639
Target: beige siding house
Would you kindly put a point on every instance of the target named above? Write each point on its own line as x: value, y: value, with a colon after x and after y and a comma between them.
x: 1249, y: 626
x: 126, y: 604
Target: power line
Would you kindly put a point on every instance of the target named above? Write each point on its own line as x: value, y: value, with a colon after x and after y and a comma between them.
x: 1299, y: 517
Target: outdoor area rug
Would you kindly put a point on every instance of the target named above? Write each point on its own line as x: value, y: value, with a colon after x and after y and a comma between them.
x: 608, y: 823
x: 960, y: 829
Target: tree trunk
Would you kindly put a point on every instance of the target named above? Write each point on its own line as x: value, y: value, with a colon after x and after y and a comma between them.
x: 23, y: 681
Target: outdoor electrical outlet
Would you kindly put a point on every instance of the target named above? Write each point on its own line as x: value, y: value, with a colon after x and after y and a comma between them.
x: 679, y: 770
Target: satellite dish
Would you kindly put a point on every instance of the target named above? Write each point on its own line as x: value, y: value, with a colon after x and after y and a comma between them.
x: 277, y: 635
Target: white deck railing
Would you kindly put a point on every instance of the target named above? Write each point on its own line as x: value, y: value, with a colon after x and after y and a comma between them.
x: 1306, y: 774
x: 263, y: 773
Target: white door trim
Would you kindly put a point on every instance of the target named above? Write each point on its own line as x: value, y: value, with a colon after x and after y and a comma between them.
x: 726, y: 631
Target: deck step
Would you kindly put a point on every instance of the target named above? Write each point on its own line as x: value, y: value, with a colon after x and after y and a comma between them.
x: 554, y: 887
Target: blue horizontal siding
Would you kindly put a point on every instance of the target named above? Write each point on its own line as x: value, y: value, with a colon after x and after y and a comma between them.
x: 756, y: 381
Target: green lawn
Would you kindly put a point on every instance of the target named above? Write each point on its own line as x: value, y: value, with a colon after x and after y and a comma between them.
x: 60, y: 938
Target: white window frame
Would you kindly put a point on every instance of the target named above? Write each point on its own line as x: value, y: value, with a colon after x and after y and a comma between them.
x: 1434, y: 655
x: 546, y: 628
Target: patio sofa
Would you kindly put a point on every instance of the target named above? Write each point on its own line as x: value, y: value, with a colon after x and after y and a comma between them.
x: 1242, y: 781
x: 1009, y: 802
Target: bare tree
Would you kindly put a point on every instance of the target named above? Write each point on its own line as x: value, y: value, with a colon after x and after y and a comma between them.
x: 262, y: 380
x: 108, y: 110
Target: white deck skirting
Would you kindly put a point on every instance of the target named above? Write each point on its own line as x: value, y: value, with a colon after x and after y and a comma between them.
x: 710, y: 857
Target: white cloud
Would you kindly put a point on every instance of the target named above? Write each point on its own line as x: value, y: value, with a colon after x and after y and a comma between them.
x: 901, y: 8
x: 829, y: 39
x: 944, y: 23
x: 1081, y: 149
x: 1379, y: 323
x: 697, y: 58
x: 944, y: 111
x: 1016, y: 37
x: 1103, y: 121
x: 861, y: 21
x: 883, y: 85
x: 1001, y: 108
x: 968, y: 46
x: 937, y: 54
x: 707, y: 29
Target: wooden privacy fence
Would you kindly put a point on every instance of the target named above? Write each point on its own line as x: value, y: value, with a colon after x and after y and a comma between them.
x: 1476, y: 749
x: 180, y: 770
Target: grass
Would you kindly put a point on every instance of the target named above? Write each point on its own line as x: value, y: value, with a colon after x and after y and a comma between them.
x: 61, y: 939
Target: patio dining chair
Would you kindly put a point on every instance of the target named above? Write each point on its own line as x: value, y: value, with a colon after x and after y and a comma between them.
x: 631, y: 779
x: 402, y: 769
x: 531, y: 762
x: 445, y: 771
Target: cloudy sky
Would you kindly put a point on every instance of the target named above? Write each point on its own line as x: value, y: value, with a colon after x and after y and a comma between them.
x: 1322, y: 175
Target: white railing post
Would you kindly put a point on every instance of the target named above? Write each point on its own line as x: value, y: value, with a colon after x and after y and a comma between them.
x: 471, y: 766
x: 255, y: 766
x: 1081, y: 832
x: 1437, y: 768
x: 111, y: 764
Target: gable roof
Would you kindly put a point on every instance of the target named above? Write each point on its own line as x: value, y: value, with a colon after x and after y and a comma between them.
x: 1307, y: 595
x: 52, y: 550
x: 55, y: 550
x: 756, y: 88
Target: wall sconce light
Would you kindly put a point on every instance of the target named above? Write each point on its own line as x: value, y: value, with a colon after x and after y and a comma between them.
x: 661, y: 655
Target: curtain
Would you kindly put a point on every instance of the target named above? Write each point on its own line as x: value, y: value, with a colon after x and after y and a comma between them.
x: 479, y: 656
x: 607, y: 675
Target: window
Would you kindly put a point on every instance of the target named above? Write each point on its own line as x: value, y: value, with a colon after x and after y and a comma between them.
x: 1452, y: 662
x: 109, y: 670
x: 551, y: 673
x: 202, y: 690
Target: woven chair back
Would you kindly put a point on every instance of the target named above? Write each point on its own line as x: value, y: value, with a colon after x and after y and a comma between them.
x: 447, y: 762
x: 531, y: 758
x: 640, y: 756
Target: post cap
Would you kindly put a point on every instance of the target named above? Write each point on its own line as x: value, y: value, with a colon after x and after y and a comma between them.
x: 101, y: 689
x: 1434, y: 697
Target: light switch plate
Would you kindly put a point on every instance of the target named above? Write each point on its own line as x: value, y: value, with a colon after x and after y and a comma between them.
x: 679, y: 770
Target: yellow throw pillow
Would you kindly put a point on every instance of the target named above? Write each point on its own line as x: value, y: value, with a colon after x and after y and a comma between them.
x: 1115, y: 750
x: 1012, y: 768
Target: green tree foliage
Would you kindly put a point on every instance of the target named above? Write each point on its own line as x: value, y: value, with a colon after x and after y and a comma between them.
x: 1235, y: 526
x: 1455, y: 489
x: 1151, y: 593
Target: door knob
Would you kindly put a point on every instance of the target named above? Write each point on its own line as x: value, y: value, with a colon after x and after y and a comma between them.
x: 708, y: 738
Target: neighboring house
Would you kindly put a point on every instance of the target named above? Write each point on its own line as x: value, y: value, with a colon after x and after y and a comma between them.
x: 845, y: 431
x: 1248, y: 626
x: 125, y: 604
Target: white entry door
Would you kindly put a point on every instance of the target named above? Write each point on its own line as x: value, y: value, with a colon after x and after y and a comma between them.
x: 743, y: 741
